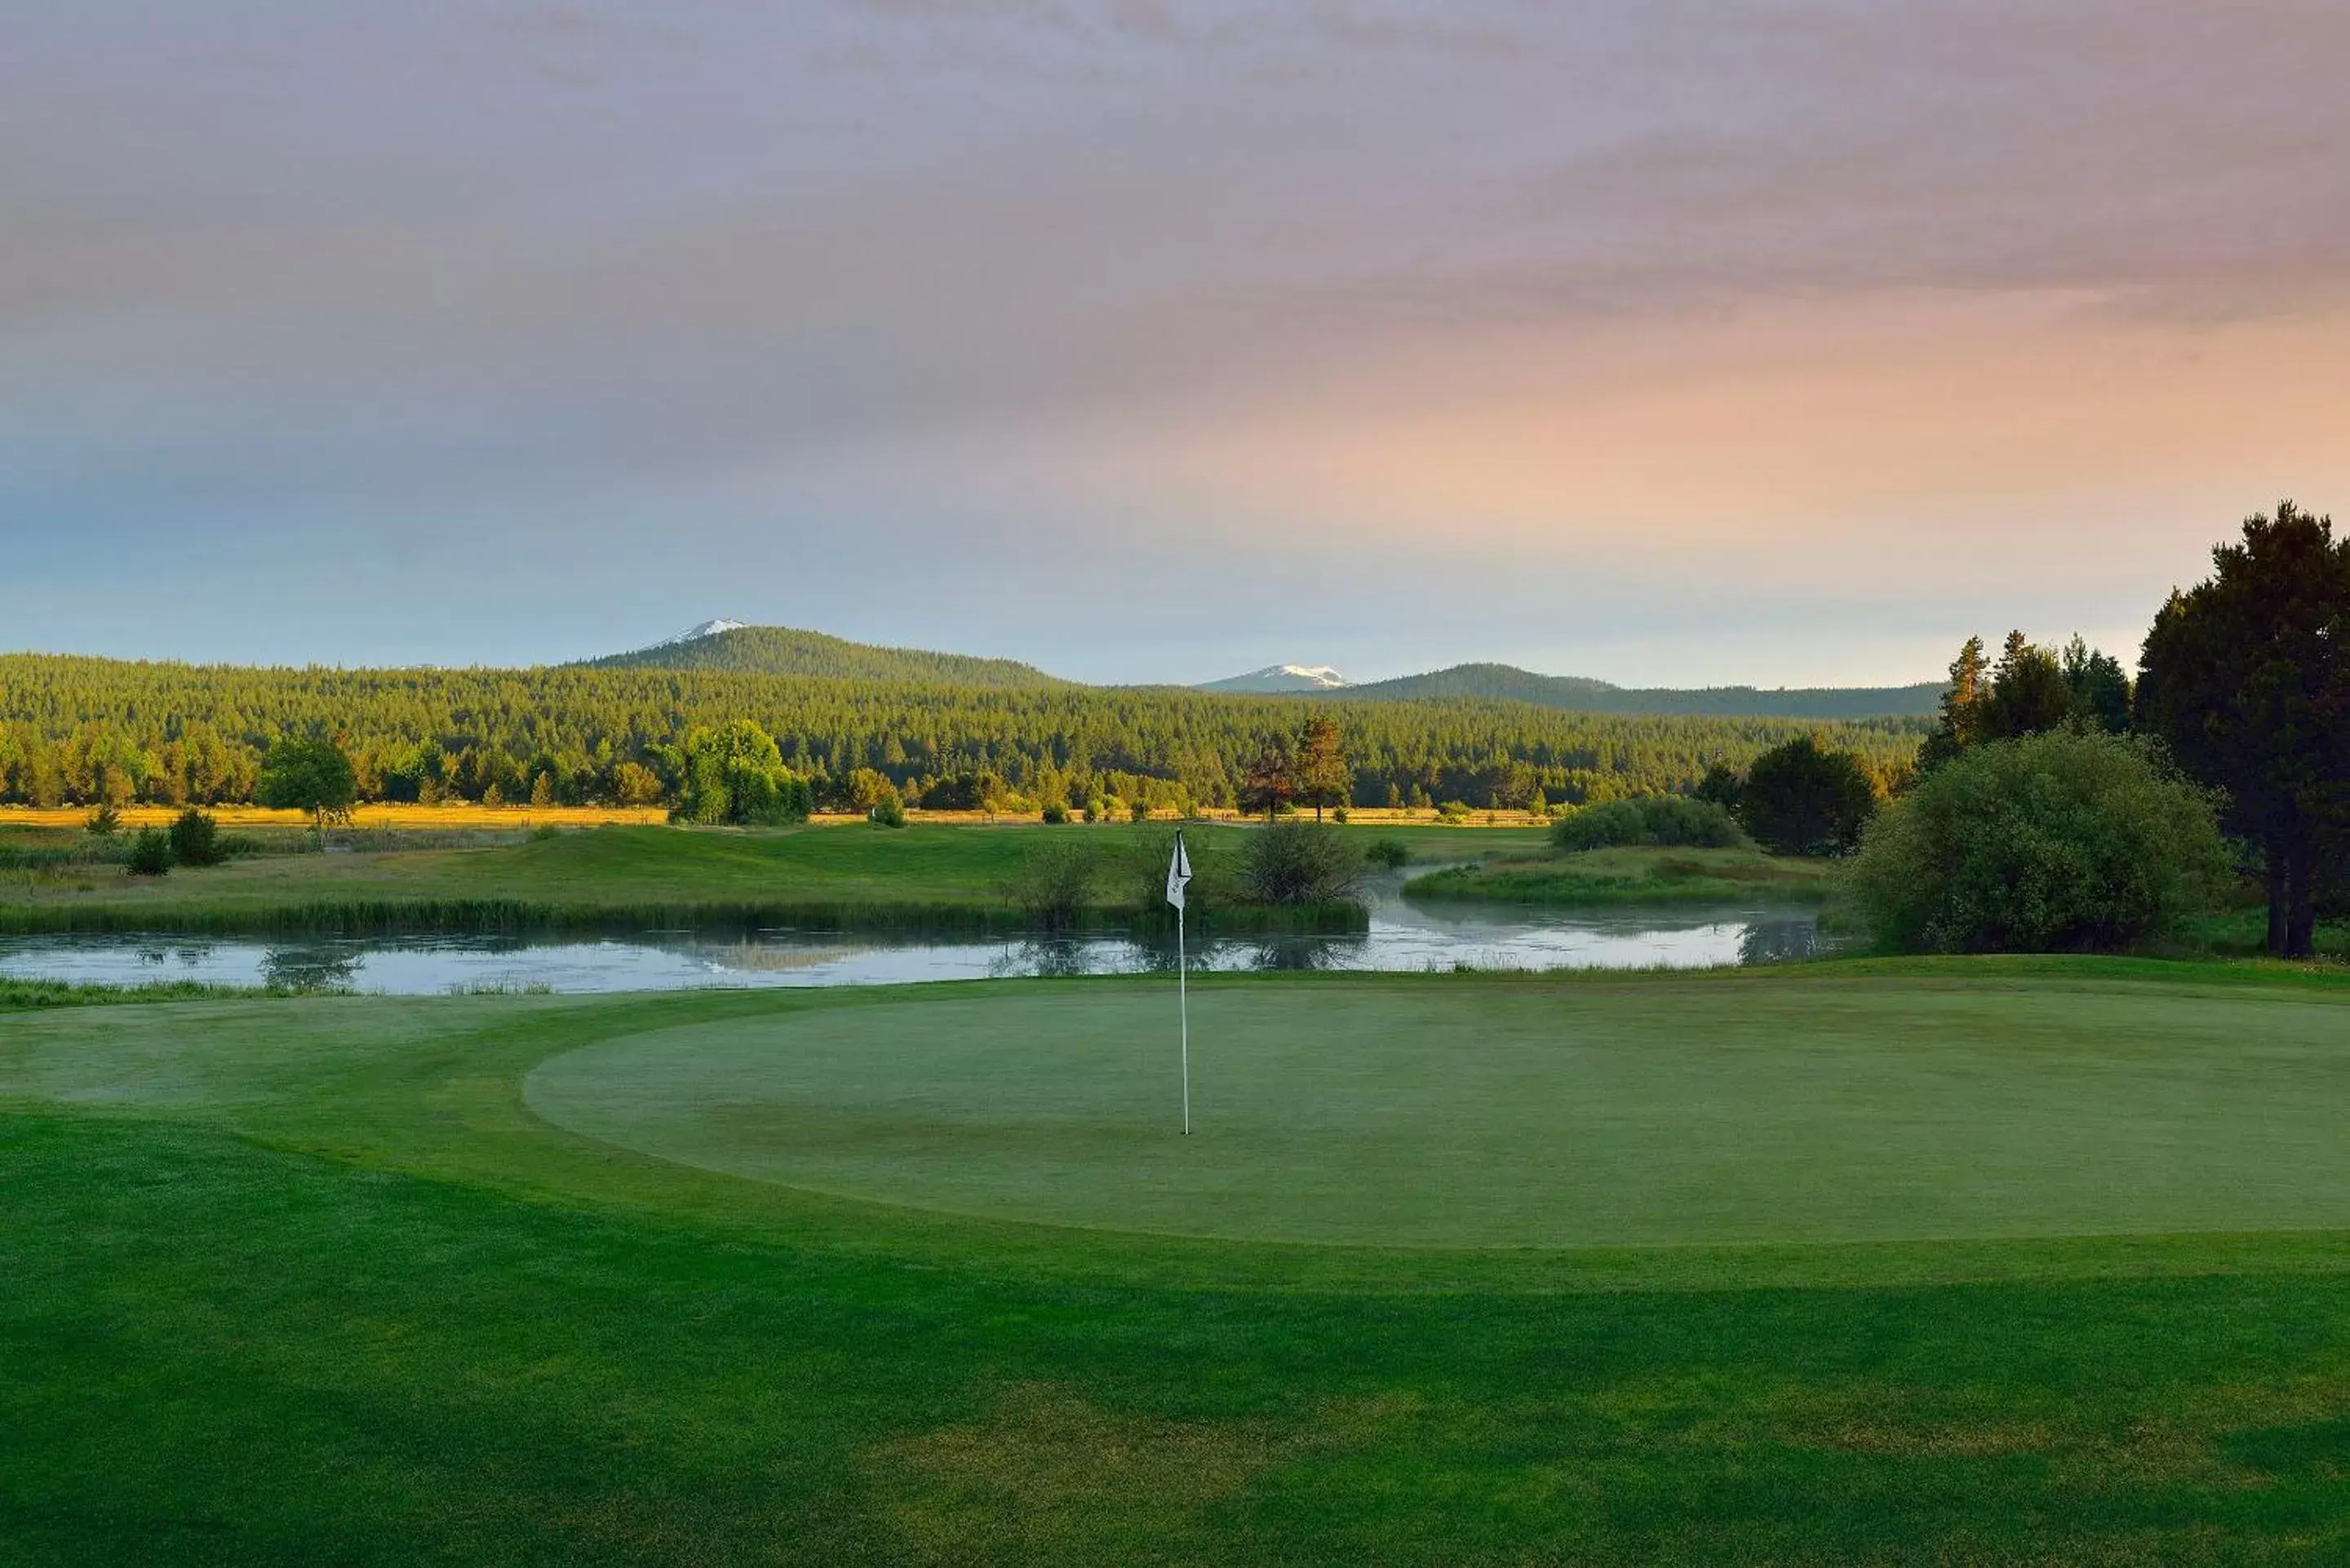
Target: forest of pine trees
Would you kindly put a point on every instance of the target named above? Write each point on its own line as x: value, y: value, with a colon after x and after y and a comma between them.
x: 77, y: 731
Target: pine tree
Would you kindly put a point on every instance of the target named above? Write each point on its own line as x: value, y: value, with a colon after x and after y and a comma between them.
x: 1323, y: 775
x: 1962, y: 722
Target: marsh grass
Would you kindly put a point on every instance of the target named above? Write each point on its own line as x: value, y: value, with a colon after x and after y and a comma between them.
x: 26, y: 995
x: 1648, y: 875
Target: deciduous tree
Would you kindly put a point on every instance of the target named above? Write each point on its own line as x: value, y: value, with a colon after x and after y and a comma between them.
x: 1801, y: 800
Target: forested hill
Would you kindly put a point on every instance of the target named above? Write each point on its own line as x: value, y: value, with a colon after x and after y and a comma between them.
x: 1505, y: 682
x: 85, y: 729
x: 785, y: 651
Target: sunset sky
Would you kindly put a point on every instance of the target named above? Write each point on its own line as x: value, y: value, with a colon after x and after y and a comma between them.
x: 1776, y: 342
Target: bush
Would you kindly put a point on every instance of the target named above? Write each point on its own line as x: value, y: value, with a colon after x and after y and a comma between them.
x: 196, y: 841
x: 1667, y: 819
x: 150, y: 852
x: 888, y: 812
x: 1138, y: 810
x: 1054, y: 879
x: 1800, y: 800
x: 1300, y: 863
x: 103, y: 822
x: 1387, y: 854
x: 1055, y: 813
x: 2052, y: 843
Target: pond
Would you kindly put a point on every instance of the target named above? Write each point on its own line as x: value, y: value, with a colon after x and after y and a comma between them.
x: 1402, y: 937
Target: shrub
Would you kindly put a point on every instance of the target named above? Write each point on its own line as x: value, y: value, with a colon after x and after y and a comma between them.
x: 1300, y: 863
x: 1387, y: 854
x: 888, y: 812
x: 1667, y: 819
x: 1055, y: 813
x: 103, y: 822
x: 1138, y: 810
x: 1053, y: 881
x: 1453, y: 811
x: 1338, y: 814
x: 195, y: 839
x: 150, y: 852
x: 2052, y: 843
x: 1800, y: 800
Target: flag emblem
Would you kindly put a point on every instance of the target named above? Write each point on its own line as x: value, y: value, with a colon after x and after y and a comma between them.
x: 1178, y: 872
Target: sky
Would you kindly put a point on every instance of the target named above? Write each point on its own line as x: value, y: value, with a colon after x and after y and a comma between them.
x: 1767, y: 341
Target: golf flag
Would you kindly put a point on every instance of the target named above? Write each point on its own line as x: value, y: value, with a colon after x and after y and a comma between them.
x: 1178, y: 872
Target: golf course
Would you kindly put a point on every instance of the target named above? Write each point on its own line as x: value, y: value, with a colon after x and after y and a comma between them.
x: 1894, y: 1261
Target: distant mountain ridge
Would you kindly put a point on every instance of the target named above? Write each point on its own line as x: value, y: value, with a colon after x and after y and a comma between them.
x: 1508, y: 683
x: 731, y: 645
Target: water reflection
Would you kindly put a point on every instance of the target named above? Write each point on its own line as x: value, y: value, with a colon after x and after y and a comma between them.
x: 313, y: 966
x: 1401, y: 938
x: 1779, y: 941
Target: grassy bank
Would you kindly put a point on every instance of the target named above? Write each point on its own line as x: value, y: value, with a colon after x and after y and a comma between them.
x: 1632, y: 876
x: 302, y: 1281
x: 639, y: 878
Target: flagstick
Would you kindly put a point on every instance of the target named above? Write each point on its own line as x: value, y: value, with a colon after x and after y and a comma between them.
x: 1183, y: 1011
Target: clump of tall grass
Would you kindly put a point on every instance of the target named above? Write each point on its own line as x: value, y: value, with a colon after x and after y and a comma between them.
x: 1292, y: 863
x: 25, y: 994
x: 1054, y: 882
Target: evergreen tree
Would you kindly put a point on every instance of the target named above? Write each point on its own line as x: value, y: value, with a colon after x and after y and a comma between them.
x: 2028, y: 696
x: 1271, y: 781
x: 2245, y: 676
x: 1322, y: 774
x: 1960, y: 724
x: 2100, y: 687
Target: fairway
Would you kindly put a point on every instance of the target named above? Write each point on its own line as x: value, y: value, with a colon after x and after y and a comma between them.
x: 1513, y: 1113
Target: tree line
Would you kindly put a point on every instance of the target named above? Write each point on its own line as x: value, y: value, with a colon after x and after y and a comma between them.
x: 89, y: 731
x: 2061, y: 804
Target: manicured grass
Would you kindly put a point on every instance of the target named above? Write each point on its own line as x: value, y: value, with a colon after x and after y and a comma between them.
x: 302, y: 1281
x: 635, y: 878
x: 1639, y: 876
x: 1576, y: 1115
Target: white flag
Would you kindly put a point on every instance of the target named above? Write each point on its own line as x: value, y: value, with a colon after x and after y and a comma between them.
x: 1178, y: 872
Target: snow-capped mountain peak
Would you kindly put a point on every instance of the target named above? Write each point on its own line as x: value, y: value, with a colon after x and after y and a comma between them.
x: 707, y: 628
x: 1281, y: 678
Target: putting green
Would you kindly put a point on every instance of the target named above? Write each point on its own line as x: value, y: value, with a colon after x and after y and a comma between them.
x: 1511, y: 1113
